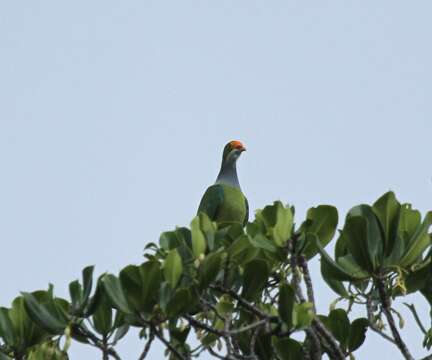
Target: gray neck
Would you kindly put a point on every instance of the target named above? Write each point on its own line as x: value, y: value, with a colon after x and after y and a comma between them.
x: 228, y: 175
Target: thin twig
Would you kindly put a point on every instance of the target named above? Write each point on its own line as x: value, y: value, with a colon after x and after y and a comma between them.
x: 167, y: 344
x: 371, y: 321
x: 385, y: 305
x: 95, y: 341
x: 246, y: 304
x: 249, y: 327
x: 416, y: 317
x: 253, y: 342
x: 310, y: 332
x: 305, y: 353
x: 308, y: 281
x: 216, y: 355
x: 204, y: 326
x: 147, y: 346
x: 331, y: 340
x: 227, y: 327
x: 105, y: 355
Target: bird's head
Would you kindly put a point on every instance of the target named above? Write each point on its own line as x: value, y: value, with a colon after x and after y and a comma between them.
x: 232, y: 152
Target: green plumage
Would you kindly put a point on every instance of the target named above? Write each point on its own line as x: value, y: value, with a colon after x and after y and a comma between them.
x: 224, y: 201
x: 225, y: 204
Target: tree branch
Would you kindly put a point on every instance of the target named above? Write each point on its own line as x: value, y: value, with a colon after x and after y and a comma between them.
x: 252, y: 344
x: 105, y: 355
x: 308, y: 281
x: 166, y: 343
x: 203, y: 326
x: 95, y: 341
x: 311, y: 332
x: 336, y: 351
x: 246, y: 304
x: 371, y: 321
x: 147, y: 346
x: 413, y: 310
x: 385, y: 305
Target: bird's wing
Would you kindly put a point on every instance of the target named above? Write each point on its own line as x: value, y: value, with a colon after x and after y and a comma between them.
x: 246, y: 219
x: 211, y: 201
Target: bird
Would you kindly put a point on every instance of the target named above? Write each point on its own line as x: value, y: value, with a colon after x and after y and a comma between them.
x: 224, y: 201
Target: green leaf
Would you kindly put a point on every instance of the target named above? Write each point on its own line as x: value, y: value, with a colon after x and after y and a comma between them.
x: 341, y: 247
x: 6, y: 327
x: 286, y: 304
x: 96, y: 298
x: 87, y: 276
x: 208, y: 228
x: 76, y: 294
x: 303, y: 315
x: 278, y: 221
x: 173, y: 268
x: 4, y: 357
x: 261, y: 242
x: 102, y: 318
x: 357, y: 333
x: 418, y: 243
x: 180, y: 334
x: 198, y: 238
x: 371, y: 237
x: 241, y: 251
x: 168, y: 240
x: 340, y: 326
x: 131, y: 285
x: 393, y: 259
x: 47, y: 351
x: 44, y: 316
x: 426, y: 290
x: 79, y: 296
x: 417, y: 279
x: 180, y: 302
x: 287, y: 349
x: 263, y: 347
x: 151, y: 277
x: 210, y: 268
x: 387, y: 209
x: 239, y: 246
x: 348, y: 263
x: 409, y: 221
x: 225, y: 306
x: 116, y: 295
x: 356, y: 234
x: 121, y: 331
x: 336, y: 285
x: 27, y: 333
x: 329, y: 267
x: 141, y: 285
x: 284, y: 224
x: 321, y: 221
x: 184, y: 239
x: 255, y: 277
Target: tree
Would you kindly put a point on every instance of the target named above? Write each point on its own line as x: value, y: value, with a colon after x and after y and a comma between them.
x: 242, y: 291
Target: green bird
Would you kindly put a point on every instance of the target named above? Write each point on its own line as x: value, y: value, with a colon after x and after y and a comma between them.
x: 224, y: 202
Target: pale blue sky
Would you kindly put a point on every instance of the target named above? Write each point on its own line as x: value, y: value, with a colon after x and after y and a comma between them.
x: 113, y: 115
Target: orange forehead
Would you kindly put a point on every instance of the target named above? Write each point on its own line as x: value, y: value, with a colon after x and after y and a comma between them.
x: 236, y: 144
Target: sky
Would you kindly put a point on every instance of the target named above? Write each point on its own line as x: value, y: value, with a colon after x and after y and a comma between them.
x: 113, y: 116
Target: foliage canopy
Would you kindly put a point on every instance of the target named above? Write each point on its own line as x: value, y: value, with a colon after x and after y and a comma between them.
x: 242, y: 292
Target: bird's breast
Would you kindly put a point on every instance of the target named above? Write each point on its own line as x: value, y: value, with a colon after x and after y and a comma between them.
x: 233, y: 207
